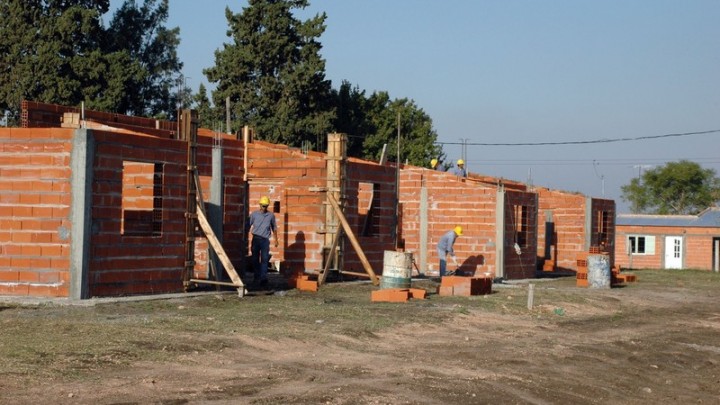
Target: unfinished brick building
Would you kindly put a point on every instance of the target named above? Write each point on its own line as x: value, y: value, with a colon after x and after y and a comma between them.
x: 99, y: 208
x: 570, y: 224
x: 494, y: 219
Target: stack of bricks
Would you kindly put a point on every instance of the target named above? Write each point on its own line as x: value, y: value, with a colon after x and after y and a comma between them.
x: 397, y: 294
x: 302, y: 282
x: 582, y: 271
x: 618, y: 278
x: 549, y: 264
x: 464, y: 286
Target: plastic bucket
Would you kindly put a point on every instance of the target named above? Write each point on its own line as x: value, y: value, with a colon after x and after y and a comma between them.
x: 397, y: 270
x: 598, y: 274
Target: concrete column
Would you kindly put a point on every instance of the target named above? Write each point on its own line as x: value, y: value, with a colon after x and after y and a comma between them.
x: 216, y: 208
x: 423, y: 229
x: 500, y: 233
x: 588, y: 223
x: 82, y: 158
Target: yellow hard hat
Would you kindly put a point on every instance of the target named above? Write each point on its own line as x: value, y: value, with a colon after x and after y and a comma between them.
x: 458, y: 230
x: 433, y: 162
x: 264, y: 200
x: 460, y: 162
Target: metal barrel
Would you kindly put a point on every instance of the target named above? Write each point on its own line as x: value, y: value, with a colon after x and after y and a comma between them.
x: 397, y: 269
x: 598, y: 274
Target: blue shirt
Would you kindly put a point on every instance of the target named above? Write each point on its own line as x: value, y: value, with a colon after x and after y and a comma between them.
x: 262, y: 223
x: 446, y: 242
x: 457, y: 171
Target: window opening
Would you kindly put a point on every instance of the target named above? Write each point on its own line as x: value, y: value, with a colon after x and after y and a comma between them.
x: 141, y: 199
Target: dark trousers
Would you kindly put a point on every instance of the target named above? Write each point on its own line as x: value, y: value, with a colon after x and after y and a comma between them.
x: 260, y: 249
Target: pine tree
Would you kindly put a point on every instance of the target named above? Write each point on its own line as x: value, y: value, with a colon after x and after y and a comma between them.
x: 274, y: 74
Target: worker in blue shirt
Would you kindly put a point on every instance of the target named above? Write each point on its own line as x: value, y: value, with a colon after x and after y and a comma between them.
x: 261, y: 224
x: 458, y: 170
x: 445, y: 248
x: 434, y: 164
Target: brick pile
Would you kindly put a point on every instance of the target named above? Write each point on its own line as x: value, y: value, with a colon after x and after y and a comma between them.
x: 464, y: 286
x: 397, y: 294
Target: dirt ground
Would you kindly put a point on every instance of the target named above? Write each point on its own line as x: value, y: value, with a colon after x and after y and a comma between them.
x: 650, y: 342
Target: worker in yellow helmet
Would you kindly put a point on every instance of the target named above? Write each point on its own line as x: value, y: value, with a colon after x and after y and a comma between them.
x: 262, y: 225
x: 434, y: 164
x: 445, y: 248
x: 459, y: 170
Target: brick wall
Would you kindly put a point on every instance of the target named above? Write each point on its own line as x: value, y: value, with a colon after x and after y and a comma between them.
x: 34, y: 211
x: 567, y: 211
x: 126, y: 262
x: 291, y: 179
x: 363, y: 176
x: 521, y: 209
x: 697, y: 246
x: 123, y: 263
x: 135, y: 247
x: 450, y: 201
x: 43, y: 115
x: 288, y: 177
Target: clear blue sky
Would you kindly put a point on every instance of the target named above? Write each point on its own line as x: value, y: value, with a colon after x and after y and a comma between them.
x: 523, y: 71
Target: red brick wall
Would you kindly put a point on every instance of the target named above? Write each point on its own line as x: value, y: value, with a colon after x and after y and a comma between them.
x: 374, y: 246
x: 569, y: 212
x: 35, y: 199
x: 288, y: 177
x: 292, y: 178
x: 128, y: 264
x: 697, y: 246
x: 451, y: 201
x: 43, y: 115
x: 568, y: 216
x: 523, y: 265
x: 124, y: 264
x: 34, y: 211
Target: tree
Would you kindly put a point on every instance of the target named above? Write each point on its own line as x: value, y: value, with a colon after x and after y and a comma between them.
x: 46, y: 49
x: 373, y: 122
x: 682, y: 187
x: 57, y: 51
x: 274, y: 74
x: 352, y: 117
x: 209, y: 116
x: 159, y: 89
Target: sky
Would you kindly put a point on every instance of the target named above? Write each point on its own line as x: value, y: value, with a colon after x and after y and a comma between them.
x: 557, y: 72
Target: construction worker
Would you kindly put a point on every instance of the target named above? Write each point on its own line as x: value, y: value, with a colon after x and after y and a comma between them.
x: 458, y: 170
x: 261, y: 224
x: 445, y: 248
x: 434, y: 164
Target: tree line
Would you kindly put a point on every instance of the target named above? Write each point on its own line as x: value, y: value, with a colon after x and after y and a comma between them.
x: 62, y: 52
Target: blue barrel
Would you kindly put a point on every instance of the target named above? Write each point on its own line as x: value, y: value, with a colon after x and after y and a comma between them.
x: 598, y: 274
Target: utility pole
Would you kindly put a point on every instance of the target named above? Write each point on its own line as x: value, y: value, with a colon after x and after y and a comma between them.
x: 601, y: 176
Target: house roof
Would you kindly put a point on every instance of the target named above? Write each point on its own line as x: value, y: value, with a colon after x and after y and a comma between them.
x: 710, y: 218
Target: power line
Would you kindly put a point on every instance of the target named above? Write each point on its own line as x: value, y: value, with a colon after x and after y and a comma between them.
x: 586, y: 162
x: 639, y: 138
x: 630, y: 162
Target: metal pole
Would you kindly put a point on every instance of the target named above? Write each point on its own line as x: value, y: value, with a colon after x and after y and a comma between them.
x: 397, y: 186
